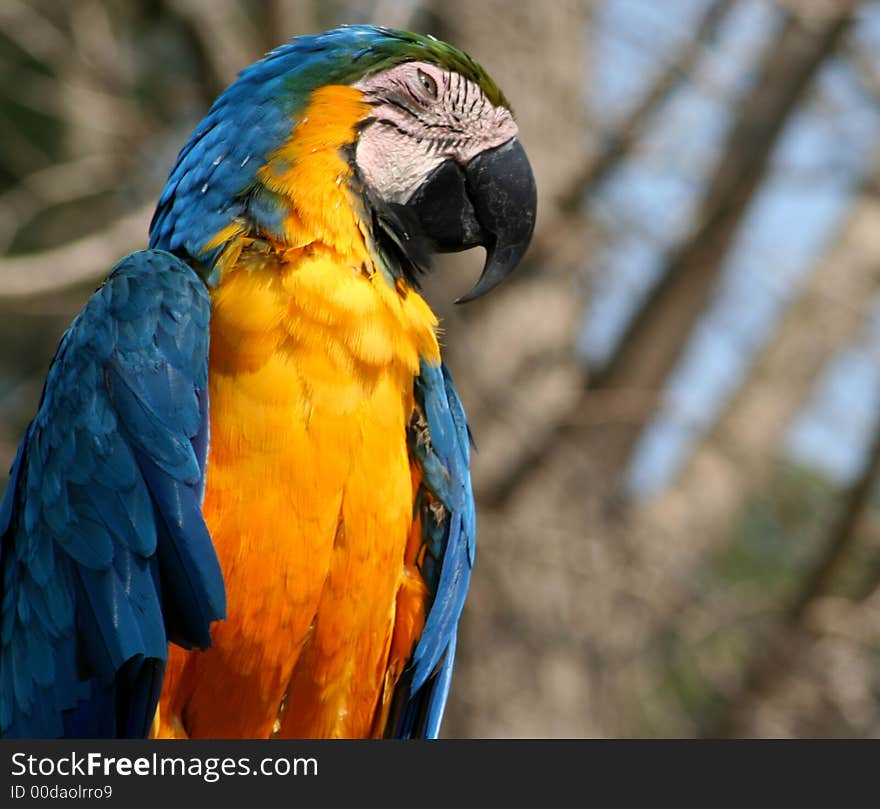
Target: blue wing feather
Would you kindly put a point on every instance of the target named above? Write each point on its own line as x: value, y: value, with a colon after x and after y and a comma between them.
x: 442, y: 450
x: 104, y: 555
x: 439, y: 693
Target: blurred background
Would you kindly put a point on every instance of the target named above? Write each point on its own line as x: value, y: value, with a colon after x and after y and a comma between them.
x: 676, y: 399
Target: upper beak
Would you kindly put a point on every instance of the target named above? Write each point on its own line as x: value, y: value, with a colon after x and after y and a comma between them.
x: 501, y: 187
x: 490, y: 201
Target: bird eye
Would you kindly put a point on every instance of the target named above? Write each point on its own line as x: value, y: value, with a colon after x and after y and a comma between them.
x: 428, y: 83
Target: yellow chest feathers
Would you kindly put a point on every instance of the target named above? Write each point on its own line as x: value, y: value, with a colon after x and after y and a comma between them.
x: 307, y: 323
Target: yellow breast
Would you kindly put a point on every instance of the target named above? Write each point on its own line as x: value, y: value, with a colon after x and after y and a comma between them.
x: 309, y: 498
x: 309, y: 489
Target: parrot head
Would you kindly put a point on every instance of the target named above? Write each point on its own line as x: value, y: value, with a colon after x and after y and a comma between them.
x: 441, y: 152
x: 432, y: 151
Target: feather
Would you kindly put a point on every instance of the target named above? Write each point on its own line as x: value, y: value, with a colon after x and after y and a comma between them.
x: 441, y: 449
x: 103, y: 552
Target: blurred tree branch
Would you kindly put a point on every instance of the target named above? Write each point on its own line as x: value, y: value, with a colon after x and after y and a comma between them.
x: 771, y: 659
x: 77, y: 262
x: 225, y: 33
x: 656, y: 336
x: 33, y: 32
x: 653, y: 343
x: 619, y: 143
x: 730, y: 467
x: 55, y: 185
x: 567, y: 215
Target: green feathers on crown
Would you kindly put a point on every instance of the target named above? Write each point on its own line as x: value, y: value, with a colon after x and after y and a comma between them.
x: 402, y: 46
x: 347, y: 54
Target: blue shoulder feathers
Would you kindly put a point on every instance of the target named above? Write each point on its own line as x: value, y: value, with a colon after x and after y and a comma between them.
x: 439, y: 443
x: 104, y: 555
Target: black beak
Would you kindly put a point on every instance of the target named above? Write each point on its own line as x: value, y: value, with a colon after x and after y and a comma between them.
x: 491, y: 201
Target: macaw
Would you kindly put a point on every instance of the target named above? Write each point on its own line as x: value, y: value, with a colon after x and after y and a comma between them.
x: 244, y: 507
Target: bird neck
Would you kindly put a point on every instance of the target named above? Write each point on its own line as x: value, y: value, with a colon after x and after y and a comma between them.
x: 307, y: 193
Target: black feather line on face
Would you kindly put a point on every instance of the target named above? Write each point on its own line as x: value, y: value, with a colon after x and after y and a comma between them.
x: 398, y: 234
x: 396, y: 230
x: 399, y: 104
